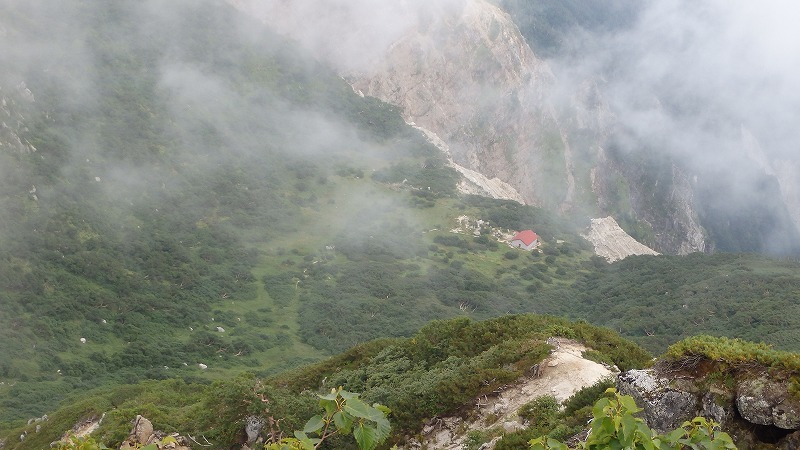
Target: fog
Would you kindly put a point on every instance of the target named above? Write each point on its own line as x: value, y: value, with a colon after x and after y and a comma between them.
x: 350, y: 35
x: 135, y: 128
x: 715, y: 85
x: 691, y: 74
x: 711, y: 83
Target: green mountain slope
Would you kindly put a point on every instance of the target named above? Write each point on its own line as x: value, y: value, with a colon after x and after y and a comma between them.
x: 436, y: 372
x: 659, y: 300
x: 203, y: 193
x: 171, y: 149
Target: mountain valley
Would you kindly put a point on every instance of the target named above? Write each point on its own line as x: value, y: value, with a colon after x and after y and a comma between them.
x: 211, y: 203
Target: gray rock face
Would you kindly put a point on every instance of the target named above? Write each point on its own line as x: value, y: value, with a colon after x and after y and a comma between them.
x: 253, y: 427
x: 766, y: 402
x: 667, y: 403
x: 665, y: 408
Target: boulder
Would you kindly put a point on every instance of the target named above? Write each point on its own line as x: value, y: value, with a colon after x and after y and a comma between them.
x: 667, y: 404
x: 767, y: 402
x: 664, y: 408
x: 142, y: 430
x: 253, y: 426
x: 143, y: 434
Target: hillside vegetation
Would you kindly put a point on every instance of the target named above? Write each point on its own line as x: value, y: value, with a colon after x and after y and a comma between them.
x: 204, y: 195
x: 434, y: 373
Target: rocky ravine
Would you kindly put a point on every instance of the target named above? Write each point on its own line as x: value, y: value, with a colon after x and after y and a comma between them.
x: 470, y: 77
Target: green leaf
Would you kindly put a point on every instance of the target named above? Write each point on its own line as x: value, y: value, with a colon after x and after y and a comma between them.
x: 382, y: 408
x: 329, y: 406
x: 629, y: 403
x: 536, y: 445
x: 360, y: 409
x: 382, y: 428
x: 602, y: 426
x: 365, y: 437
x: 314, y: 424
x: 300, y: 435
x: 674, y: 435
x: 348, y: 395
x: 343, y: 422
x: 629, y: 428
x: 555, y: 445
x: 599, y: 407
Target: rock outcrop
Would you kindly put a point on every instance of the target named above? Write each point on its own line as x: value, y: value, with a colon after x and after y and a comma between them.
x: 143, y: 434
x: 767, y: 402
x: 469, y: 76
x: 666, y: 406
x: 758, y: 410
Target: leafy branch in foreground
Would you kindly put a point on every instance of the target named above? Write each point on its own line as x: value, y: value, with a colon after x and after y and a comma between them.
x: 614, y: 426
x: 344, y: 414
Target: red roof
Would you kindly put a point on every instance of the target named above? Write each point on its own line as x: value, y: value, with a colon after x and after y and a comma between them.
x: 526, y: 236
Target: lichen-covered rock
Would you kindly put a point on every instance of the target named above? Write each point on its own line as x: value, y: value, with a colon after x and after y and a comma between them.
x: 664, y: 408
x: 765, y: 402
x: 253, y: 426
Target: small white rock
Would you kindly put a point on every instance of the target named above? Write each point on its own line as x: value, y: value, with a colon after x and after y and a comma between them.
x: 83, y: 340
x: 202, y: 366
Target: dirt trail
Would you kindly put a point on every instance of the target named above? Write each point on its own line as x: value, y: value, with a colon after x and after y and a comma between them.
x: 561, y: 374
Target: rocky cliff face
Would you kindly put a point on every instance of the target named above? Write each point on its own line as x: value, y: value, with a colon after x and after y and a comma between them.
x: 12, y: 121
x: 661, y: 199
x: 462, y: 71
x: 786, y: 171
x: 459, y: 69
x: 469, y: 76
